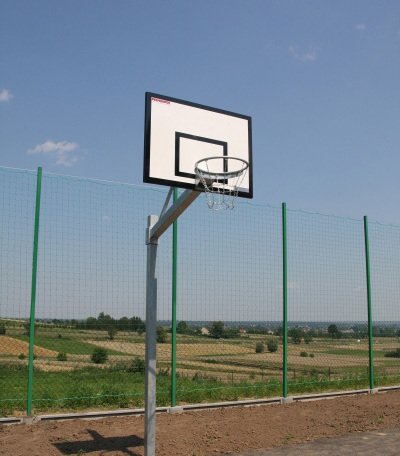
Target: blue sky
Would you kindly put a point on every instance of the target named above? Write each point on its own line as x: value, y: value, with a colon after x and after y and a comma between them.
x: 321, y: 80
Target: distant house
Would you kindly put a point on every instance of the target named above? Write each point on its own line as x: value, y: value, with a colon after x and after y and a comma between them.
x: 205, y: 331
x: 242, y: 331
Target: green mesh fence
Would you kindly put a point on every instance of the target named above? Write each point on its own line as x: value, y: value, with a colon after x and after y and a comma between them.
x: 385, y: 270
x: 17, y: 216
x: 89, y: 339
x: 327, y: 295
x: 229, y: 303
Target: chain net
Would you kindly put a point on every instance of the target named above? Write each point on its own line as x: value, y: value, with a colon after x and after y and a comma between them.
x: 220, y: 182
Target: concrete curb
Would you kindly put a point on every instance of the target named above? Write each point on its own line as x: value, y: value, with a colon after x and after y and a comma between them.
x: 189, y: 407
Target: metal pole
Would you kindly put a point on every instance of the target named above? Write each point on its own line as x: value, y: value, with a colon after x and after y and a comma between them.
x: 367, y: 262
x: 33, y: 292
x: 285, y: 293
x: 174, y: 286
x: 155, y: 228
x: 151, y: 330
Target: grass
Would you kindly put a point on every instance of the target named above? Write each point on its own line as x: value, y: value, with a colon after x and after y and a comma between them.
x: 115, y: 387
x: 73, y: 346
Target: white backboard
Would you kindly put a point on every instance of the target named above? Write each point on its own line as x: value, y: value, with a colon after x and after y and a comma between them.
x: 179, y: 133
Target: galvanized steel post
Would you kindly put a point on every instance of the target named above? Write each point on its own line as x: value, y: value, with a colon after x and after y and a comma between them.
x: 174, y: 288
x: 285, y: 290
x: 151, y: 352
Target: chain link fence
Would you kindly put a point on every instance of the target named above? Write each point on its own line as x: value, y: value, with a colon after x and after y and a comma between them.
x: 233, y: 340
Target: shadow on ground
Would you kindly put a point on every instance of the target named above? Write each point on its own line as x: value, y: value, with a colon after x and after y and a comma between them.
x: 100, y: 443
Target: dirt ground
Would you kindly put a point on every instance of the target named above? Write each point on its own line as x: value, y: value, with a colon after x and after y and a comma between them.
x: 207, y: 432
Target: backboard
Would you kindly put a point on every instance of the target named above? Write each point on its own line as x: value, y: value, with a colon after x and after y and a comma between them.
x: 179, y: 133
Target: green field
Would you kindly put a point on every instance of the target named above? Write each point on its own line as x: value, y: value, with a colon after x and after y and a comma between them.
x: 66, y: 344
x: 208, y: 370
x: 85, y: 389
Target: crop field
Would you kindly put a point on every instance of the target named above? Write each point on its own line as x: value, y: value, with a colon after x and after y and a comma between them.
x: 88, y: 348
x: 207, y: 369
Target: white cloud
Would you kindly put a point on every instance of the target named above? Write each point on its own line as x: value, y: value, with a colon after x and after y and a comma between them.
x: 5, y: 95
x: 63, y: 153
x: 309, y: 55
x: 360, y: 27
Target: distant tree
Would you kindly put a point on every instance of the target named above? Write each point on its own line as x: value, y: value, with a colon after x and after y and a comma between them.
x: 272, y: 345
x: 182, y: 327
x: 231, y: 333
x: 296, y: 334
x: 112, y: 332
x: 334, y: 332
x: 136, y: 324
x: 62, y: 357
x: 91, y: 323
x: 260, y: 347
x: 279, y: 331
x: 308, y: 337
x: 104, y: 321
x: 2, y: 329
x: 332, y: 329
x: 99, y: 355
x: 217, y: 329
x: 123, y: 324
x: 161, y: 335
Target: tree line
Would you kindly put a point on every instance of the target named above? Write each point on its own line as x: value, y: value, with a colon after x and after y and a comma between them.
x: 105, y: 322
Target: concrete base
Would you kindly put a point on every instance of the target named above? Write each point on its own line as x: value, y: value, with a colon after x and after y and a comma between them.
x: 373, y: 391
x: 286, y: 400
x: 175, y: 410
x: 30, y: 419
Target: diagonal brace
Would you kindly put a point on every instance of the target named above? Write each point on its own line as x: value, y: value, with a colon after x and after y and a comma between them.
x: 167, y: 219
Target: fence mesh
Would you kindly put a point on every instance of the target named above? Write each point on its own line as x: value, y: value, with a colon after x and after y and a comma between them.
x: 385, y: 269
x: 229, y: 289
x: 17, y: 216
x: 89, y: 340
x: 327, y: 294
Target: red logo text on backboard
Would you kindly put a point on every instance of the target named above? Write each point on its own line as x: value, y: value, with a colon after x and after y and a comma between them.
x: 159, y: 100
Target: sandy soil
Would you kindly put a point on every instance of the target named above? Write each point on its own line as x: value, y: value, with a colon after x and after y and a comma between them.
x: 208, y: 432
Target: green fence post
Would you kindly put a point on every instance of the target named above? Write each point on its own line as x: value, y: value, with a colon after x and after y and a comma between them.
x: 285, y: 316
x: 367, y: 263
x: 174, y: 284
x: 33, y: 292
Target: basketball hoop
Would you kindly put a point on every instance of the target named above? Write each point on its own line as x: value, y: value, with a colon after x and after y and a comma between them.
x: 220, y: 177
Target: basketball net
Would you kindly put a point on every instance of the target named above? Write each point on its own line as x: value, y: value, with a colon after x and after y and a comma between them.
x: 221, y: 178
